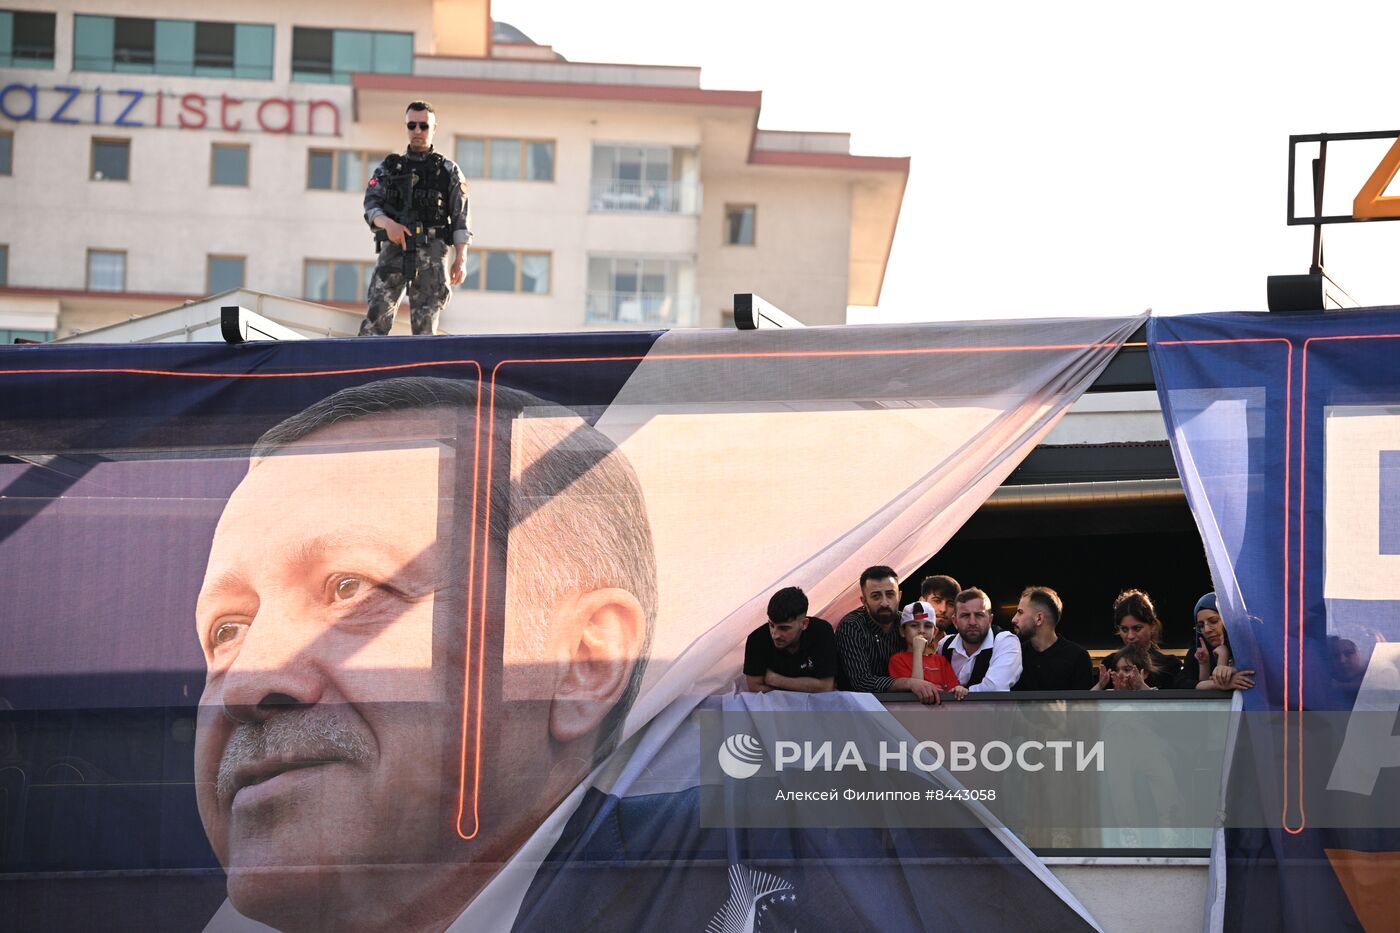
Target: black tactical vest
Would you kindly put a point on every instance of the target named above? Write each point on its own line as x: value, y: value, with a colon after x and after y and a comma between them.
x: 431, y: 198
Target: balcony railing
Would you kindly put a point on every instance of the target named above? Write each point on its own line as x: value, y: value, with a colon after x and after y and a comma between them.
x: 657, y: 197
x: 631, y: 309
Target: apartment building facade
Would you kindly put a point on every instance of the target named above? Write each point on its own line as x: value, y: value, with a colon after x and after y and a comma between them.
x: 148, y: 158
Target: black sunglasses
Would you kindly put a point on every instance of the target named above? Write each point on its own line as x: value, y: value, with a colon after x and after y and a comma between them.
x: 417, y: 126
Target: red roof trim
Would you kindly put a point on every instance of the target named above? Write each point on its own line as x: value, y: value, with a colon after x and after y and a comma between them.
x: 546, y: 61
x: 830, y: 160
x: 807, y: 132
x: 646, y: 94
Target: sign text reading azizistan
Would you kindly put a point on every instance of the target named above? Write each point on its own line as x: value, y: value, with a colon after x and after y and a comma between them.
x: 130, y: 107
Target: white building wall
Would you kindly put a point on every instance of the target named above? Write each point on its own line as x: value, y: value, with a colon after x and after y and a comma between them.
x: 555, y: 216
x: 800, y: 257
x: 169, y: 219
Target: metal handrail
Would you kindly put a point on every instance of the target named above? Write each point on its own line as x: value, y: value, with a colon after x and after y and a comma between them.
x: 660, y: 197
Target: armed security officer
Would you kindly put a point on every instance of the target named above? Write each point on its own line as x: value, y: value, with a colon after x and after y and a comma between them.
x: 420, y: 191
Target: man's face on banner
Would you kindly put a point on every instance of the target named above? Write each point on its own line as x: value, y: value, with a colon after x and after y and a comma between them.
x: 334, y: 774
x: 325, y: 725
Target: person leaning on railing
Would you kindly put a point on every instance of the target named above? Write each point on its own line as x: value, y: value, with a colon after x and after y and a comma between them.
x: 1212, y: 665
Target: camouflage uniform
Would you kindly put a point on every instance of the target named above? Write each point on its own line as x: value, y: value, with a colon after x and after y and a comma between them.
x: 429, y: 291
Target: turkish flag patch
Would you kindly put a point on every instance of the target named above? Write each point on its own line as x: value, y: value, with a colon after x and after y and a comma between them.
x: 373, y: 182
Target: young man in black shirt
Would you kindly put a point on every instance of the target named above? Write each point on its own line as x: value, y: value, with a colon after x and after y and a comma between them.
x: 1048, y: 662
x: 793, y: 651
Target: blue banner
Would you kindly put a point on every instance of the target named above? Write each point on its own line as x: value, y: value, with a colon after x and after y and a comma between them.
x: 398, y: 633
x: 1286, y: 433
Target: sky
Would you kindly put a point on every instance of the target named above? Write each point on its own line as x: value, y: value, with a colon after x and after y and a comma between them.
x: 1069, y: 158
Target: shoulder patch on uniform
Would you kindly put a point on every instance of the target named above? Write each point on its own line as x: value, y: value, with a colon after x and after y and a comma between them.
x: 373, y: 182
x: 464, y: 187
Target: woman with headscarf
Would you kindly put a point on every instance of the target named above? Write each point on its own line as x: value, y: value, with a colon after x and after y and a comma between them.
x: 1212, y: 665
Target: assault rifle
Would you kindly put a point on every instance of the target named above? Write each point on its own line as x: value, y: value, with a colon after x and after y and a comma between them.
x: 398, y: 206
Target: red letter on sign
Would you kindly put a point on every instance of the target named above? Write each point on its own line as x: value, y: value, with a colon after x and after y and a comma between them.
x: 193, y: 103
x: 224, y: 103
x: 311, y: 108
x: 286, y: 106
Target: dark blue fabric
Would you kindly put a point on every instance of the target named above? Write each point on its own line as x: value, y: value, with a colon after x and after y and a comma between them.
x: 99, y: 669
x: 1246, y: 398
x: 642, y: 863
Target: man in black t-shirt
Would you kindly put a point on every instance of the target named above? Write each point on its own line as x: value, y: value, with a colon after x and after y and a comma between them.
x: 793, y: 651
x: 1048, y: 662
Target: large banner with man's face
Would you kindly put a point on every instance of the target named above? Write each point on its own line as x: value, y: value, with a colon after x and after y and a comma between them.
x: 340, y: 634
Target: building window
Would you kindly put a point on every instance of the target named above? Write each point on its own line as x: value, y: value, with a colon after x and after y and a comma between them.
x: 333, y: 55
x: 539, y: 160
x: 739, y: 224
x: 106, y: 270
x: 507, y: 270
x: 7, y: 145
x: 172, y: 47
x: 111, y: 160
x: 340, y: 169
x: 501, y: 267
x: 134, y: 44
x: 645, y: 178
x: 506, y: 159
x: 213, y: 47
x: 4, y: 265
x: 639, y: 290
x: 330, y: 280
x: 26, y: 39
x: 225, y: 273
x: 8, y: 335
x: 228, y: 164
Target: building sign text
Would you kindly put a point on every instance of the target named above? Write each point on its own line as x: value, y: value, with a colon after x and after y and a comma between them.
x: 131, y: 107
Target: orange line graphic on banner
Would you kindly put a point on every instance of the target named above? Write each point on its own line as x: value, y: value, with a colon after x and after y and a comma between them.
x: 1289, y: 827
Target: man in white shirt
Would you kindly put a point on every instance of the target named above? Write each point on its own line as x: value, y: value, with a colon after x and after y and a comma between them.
x: 984, y: 660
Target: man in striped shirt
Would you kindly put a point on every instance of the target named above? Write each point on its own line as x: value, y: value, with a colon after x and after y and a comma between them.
x: 867, y: 637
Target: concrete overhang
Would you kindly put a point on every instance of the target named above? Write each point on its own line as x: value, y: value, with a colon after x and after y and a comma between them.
x: 373, y: 91
x: 198, y: 321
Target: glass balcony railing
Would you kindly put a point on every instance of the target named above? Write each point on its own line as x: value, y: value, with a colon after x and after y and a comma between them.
x: 657, y: 197
x: 630, y: 309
